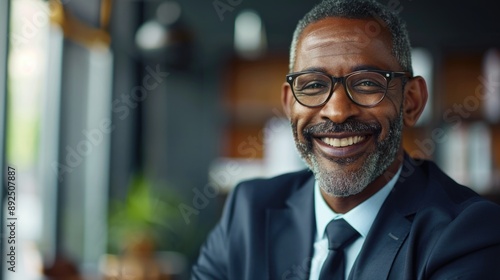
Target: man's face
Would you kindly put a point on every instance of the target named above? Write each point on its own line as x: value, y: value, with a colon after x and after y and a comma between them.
x: 347, y: 146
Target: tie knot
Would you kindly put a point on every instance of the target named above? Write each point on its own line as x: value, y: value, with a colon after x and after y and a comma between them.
x: 340, y: 234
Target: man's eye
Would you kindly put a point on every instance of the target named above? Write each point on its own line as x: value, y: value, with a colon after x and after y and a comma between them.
x: 367, y: 84
x: 314, y: 85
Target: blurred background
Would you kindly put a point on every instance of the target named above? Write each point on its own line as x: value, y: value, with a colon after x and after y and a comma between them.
x: 126, y: 122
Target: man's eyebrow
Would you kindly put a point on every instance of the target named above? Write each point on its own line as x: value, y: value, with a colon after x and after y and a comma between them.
x: 315, y: 69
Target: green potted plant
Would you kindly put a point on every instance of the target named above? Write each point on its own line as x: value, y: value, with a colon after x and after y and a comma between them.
x: 139, y: 226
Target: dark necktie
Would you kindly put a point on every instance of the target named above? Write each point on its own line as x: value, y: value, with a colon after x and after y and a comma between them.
x: 340, y: 234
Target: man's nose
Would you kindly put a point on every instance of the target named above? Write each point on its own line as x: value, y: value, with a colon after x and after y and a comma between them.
x: 339, y: 107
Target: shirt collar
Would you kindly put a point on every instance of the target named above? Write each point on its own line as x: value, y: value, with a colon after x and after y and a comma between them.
x: 360, y: 217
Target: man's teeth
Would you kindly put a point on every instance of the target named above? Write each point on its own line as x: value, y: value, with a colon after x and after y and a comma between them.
x: 343, y: 142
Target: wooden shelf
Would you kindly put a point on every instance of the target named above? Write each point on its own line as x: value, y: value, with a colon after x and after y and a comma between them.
x: 252, y: 96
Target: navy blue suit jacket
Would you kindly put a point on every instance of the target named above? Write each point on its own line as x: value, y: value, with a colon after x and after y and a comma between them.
x: 429, y: 227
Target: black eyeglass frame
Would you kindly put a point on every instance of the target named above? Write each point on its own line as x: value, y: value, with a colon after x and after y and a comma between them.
x: 388, y: 75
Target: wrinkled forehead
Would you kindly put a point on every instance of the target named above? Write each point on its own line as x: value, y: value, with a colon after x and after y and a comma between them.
x: 343, y: 36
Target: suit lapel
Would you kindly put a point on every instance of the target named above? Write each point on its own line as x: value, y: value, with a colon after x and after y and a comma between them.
x: 289, y: 237
x: 381, y: 246
x: 391, y: 226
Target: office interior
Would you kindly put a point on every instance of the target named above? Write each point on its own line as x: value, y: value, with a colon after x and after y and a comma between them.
x: 127, y: 122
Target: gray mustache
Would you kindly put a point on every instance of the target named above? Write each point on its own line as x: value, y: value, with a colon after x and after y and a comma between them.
x: 347, y: 126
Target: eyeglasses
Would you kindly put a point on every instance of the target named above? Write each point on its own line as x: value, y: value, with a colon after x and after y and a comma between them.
x: 365, y: 87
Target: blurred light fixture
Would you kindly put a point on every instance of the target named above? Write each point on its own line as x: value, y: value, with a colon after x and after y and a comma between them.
x: 164, y: 38
x: 249, y: 35
x: 151, y: 36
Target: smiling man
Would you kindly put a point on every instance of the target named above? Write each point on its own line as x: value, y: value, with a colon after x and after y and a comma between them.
x: 364, y: 209
x: 346, y: 106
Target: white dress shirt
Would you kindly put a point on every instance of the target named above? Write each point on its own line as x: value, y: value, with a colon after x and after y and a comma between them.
x: 360, y: 218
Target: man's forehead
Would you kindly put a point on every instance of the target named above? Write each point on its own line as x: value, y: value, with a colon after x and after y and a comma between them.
x: 327, y: 36
x: 342, y: 36
x: 329, y: 27
x: 341, y: 30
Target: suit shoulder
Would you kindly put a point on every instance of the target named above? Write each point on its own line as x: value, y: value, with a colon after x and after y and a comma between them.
x: 427, y: 190
x: 276, y: 188
x: 455, y: 201
x: 452, y: 227
x: 250, y: 199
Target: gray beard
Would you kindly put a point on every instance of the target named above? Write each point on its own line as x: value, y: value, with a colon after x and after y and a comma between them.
x: 343, y: 183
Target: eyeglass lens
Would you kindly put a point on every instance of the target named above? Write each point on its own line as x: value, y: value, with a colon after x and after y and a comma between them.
x: 364, y: 88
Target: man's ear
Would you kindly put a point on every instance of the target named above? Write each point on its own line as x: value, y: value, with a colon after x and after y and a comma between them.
x: 415, y: 99
x: 287, y: 98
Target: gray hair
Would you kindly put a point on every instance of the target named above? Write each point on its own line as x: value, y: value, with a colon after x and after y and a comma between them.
x: 359, y: 9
